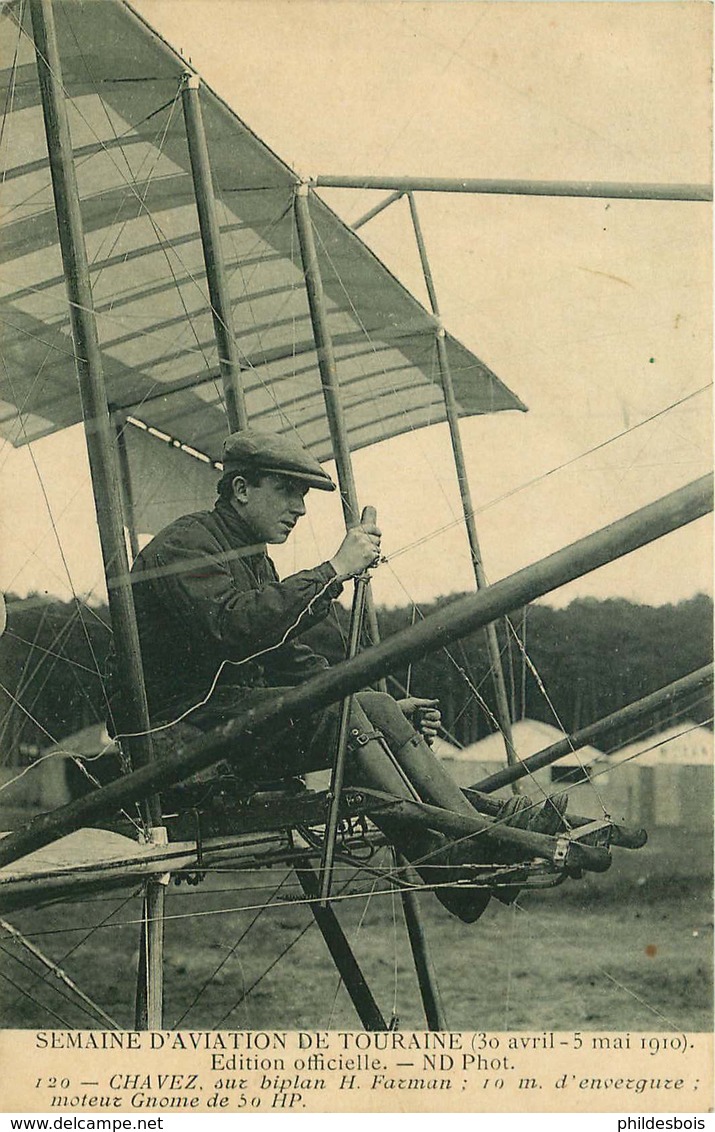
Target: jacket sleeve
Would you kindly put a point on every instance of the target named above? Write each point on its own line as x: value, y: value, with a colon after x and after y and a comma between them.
x: 241, y: 616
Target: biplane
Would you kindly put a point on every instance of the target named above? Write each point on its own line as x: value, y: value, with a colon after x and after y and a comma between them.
x: 210, y: 287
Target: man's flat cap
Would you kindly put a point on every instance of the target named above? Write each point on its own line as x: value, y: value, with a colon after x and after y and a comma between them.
x: 256, y: 451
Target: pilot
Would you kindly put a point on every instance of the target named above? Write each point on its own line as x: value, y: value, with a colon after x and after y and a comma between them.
x: 220, y: 633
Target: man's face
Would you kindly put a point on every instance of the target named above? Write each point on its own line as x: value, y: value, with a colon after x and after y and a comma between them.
x: 273, y: 507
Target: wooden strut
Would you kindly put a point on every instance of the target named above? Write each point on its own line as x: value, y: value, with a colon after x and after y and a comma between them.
x: 624, y: 717
x: 338, y: 431
x: 617, y: 190
x: 337, y: 776
x: 150, y: 967
x: 378, y: 208
x: 57, y: 971
x: 329, y: 378
x: 342, y: 954
x: 457, y: 620
x: 119, y: 420
x: 213, y: 256
x: 98, y: 429
x: 503, y: 713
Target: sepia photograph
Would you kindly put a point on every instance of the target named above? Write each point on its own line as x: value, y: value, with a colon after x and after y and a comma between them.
x: 356, y: 705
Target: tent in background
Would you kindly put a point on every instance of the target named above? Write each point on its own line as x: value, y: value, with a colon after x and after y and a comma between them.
x: 667, y: 779
x: 530, y: 735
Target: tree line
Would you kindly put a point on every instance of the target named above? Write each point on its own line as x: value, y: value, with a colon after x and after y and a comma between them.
x: 584, y: 662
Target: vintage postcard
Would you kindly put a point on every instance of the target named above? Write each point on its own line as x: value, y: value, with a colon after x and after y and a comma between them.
x: 356, y: 650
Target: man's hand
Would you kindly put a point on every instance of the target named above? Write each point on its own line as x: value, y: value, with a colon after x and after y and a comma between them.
x: 359, y: 549
x: 424, y: 715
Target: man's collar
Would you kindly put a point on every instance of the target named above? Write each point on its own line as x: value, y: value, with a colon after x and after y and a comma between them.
x: 237, y: 526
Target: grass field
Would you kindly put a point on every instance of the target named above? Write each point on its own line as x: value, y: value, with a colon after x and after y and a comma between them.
x: 628, y: 950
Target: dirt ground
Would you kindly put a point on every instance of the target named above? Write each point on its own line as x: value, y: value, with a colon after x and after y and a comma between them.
x: 628, y: 950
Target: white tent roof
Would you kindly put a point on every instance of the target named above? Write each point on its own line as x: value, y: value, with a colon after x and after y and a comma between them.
x: 530, y: 736
x: 87, y: 742
x: 683, y: 744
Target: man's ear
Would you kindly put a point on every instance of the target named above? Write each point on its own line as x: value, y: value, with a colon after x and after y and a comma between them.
x: 239, y: 486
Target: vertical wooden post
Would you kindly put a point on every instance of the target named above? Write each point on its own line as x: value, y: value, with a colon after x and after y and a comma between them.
x: 326, y: 358
x: 213, y: 256
x: 125, y: 475
x: 329, y: 379
x: 148, y: 1008
x: 95, y: 413
x: 149, y: 1002
x: 336, y: 420
x: 450, y: 404
x: 337, y: 775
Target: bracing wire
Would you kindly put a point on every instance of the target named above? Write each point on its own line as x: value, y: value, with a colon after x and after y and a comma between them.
x: 63, y: 557
x: 117, y: 138
x: 33, y: 673
x: 50, y: 652
x: 388, y: 875
x: 231, y: 951
x: 62, y: 633
x: 471, y: 837
x: 164, y: 134
x: 465, y: 676
x: 26, y: 678
x: 542, y: 477
x: 552, y: 471
x: 542, y: 688
x: 171, y: 723
x: 401, y: 395
x: 36, y: 1002
x: 40, y: 977
x: 391, y: 880
x: 79, y: 761
x: 81, y: 1001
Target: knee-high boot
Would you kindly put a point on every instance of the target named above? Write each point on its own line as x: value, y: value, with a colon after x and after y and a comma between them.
x: 372, y: 763
x: 436, y: 786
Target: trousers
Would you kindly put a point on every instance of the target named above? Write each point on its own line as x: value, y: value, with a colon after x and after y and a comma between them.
x: 384, y: 753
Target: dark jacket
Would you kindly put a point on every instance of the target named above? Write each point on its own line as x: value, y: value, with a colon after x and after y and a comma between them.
x: 205, y: 593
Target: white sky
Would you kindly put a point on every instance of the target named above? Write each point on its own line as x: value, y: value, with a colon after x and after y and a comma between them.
x: 597, y: 314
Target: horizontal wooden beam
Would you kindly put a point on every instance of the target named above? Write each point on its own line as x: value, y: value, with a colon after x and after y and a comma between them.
x: 625, y: 837
x: 512, y: 840
x: 624, y: 717
x: 602, y: 189
x: 457, y: 620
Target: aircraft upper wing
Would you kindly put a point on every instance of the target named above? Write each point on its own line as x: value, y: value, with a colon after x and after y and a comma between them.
x: 154, y: 322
